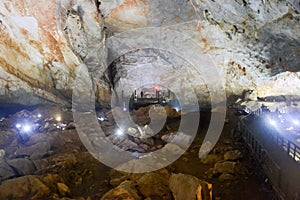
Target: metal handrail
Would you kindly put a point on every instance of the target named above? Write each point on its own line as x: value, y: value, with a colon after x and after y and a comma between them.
x: 290, y: 147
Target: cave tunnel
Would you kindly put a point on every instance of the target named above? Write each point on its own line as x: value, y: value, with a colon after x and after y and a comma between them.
x: 148, y: 99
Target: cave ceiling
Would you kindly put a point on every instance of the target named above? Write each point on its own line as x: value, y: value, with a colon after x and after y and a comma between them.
x: 193, y: 47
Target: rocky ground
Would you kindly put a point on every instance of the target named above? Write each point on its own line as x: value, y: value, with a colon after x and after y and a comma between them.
x: 42, y: 157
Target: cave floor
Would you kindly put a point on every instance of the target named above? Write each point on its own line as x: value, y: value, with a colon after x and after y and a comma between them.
x: 68, y: 161
x: 249, y: 182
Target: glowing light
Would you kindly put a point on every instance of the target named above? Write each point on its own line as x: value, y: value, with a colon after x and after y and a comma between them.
x: 124, y: 109
x: 26, y: 128
x: 156, y: 89
x: 101, y: 119
x: 39, y: 115
x: 58, y: 118
x: 272, y: 122
x: 119, y: 132
x: 296, y: 122
x: 18, y: 125
x: 176, y: 108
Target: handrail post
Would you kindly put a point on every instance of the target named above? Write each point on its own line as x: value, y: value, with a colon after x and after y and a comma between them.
x: 295, y: 151
x: 288, y: 146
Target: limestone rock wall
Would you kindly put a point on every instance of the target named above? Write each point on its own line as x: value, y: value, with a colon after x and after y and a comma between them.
x: 33, y: 52
x: 254, y: 45
x: 42, y: 44
x: 263, y: 43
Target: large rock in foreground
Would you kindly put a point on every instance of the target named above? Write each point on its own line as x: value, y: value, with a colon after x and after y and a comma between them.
x: 125, y: 190
x: 189, y: 188
x: 154, y: 185
x: 26, y: 187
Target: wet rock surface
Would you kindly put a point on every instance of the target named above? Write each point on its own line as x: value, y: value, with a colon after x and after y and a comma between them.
x: 52, y: 163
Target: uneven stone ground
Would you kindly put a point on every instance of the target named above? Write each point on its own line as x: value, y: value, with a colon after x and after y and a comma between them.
x: 53, y: 164
x: 242, y: 180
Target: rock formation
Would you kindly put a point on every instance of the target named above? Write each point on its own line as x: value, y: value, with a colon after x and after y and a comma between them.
x: 253, y: 46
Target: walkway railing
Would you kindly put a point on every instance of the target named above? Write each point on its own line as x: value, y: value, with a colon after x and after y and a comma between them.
x: 287, y: 145
x: 290, y: 147
x: 272, y: 151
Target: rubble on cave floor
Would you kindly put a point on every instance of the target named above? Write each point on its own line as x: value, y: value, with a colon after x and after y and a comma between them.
x: 47, y: 160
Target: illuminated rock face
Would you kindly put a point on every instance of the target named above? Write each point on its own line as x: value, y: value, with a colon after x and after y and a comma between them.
x: 254, y: 45
x: 39, y: 59
x: 35, y: 58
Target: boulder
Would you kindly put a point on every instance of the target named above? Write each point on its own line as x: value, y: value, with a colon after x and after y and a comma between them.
x: 141, y: 116
x: 11, y: 149
x: 145, y: 147
x: 37, y: 138
x: 210, y: 173
x: 179, y: 139
x: 63, y: 189
x: 51, y: 181
x: 171, y: 151
x: 27, y: 187
x: 64, y: 161
x: 42, y: 164
x: 211, y: 159
x: 35, y: 151
x: 22, y: 166
x: 189, y: 187
x: 6, y: 137
x: 117, y: 180
x: 226, y: 177
x: 149, y: 141
x: 6, y: 171
x: 154, y: 185
x: 117, y: 177
x: 232, y: 155
x: 127, y: 144
x: 225, y: 167
x: 148, y: 164
x: 157, y: 113
x: 133, y: 132
x: 148, y: 131
x: 126, y: 190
